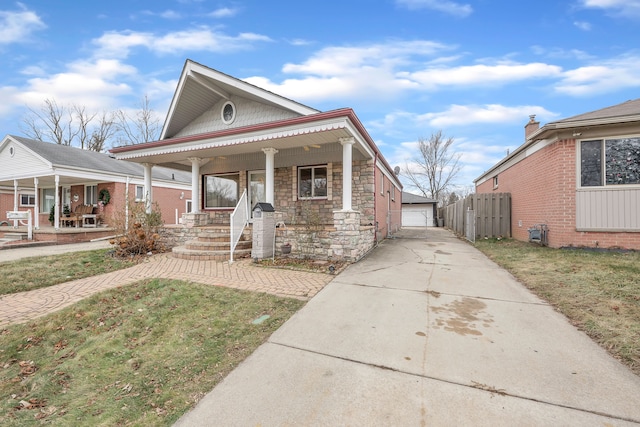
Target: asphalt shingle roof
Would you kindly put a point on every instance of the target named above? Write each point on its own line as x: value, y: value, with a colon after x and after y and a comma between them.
x: 66, y: 156
x: 628, y: 108
x: 408, y: 198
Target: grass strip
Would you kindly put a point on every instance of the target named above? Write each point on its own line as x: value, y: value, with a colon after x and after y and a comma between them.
x: 137, y: 355
x: 40, y: 272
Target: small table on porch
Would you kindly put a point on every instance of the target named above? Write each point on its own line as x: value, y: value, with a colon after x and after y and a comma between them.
x: 89, y: 220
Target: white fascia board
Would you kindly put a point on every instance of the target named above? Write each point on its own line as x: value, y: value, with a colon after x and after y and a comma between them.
x: 225, y: 141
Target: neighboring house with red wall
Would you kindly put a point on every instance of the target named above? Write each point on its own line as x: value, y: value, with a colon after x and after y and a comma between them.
x: 311, y: 166
x: 580, y: 176
x: 36, y: 175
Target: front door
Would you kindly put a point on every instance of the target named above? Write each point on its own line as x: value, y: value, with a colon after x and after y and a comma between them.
x: 256, y: 194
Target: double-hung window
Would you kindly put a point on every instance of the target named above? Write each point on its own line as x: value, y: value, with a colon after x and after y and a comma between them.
x: 605, y: 162
x: 140, y: 196
x: 91, y: 195
x: 312, y: 182
x: 27, y: 199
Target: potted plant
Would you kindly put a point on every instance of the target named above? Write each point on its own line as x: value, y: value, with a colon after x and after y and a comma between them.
x: 285, y: 248
x: 52, y: 214
x: 66, y: 211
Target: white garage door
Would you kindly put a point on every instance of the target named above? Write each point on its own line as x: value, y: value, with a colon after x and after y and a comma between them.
x: 417, y: 216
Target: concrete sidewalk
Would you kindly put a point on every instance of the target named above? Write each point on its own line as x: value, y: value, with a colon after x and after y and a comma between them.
x: 425, y: 332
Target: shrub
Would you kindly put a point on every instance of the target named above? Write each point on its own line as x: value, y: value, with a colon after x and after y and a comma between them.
x: 138, y: 231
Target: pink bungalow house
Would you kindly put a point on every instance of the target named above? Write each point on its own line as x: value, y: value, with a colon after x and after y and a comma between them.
x: 579, y: 176
x: 42, y: 177
x: 244, y: 145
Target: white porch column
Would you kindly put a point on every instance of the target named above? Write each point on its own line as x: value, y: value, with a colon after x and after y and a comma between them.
x: 195, y: 184
x: 56, y: 216
x: 270, y: 154
x: 347, y: 171
x: 36, y: 206
x: 148, y: 186
x: 126, y: 203
x: 15, y: 201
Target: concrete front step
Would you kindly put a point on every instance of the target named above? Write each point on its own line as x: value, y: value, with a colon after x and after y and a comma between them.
x: 15, y: 236
x: 182, y: 252
x: 200, y: 245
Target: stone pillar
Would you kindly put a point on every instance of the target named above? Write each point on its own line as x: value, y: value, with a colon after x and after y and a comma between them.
x: 270, y: 154
x: 346, y: 241
x: 347, y: 171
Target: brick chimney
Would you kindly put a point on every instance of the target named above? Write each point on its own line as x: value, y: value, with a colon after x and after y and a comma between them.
x: 531, y: 127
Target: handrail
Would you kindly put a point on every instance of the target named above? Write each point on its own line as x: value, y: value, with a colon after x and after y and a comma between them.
x: 239, y: 219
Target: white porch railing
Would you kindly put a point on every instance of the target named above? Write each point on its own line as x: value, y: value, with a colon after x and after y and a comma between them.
x: 239, y: 220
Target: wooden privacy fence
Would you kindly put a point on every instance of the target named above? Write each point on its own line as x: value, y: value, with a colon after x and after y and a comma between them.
x: 491, y: 216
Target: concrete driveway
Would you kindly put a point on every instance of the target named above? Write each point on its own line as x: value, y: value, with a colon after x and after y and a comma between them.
x: 425, y: 331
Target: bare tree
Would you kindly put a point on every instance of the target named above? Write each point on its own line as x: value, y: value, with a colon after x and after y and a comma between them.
x: 84, y: 121
x: 144, y: 126
x: 102, y: 132
x: 433, y: 171
x: 74, y: 125
x: 52, y: 123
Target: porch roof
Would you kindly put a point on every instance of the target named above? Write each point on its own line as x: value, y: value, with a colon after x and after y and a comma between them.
x: 299, y: 132
x: 74, y: 166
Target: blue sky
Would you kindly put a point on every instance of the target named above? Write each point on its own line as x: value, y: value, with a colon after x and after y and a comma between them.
x: 474, y: 69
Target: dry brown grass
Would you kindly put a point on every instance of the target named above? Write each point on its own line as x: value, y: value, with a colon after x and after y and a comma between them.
x: 598, y: 291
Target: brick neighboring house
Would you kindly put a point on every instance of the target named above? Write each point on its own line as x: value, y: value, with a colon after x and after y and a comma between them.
x: 312, y: 166
x: 34, y: 175
x: 580, y: 176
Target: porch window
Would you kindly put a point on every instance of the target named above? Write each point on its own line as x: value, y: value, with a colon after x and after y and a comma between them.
x: 610, y: 162
x: 91, y: 195
x: 312, y: 182
x: 221, y: 191
x: 27, y: 200
x: 48, y: 199
x: 139, y: 193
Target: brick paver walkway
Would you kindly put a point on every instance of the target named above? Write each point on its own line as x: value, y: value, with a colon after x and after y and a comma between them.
x: 24, y: 306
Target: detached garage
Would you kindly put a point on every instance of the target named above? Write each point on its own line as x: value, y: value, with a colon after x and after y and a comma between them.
x: 417, y: 211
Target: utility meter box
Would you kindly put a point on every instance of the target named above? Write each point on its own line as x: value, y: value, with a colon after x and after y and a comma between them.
x: 264, y: 231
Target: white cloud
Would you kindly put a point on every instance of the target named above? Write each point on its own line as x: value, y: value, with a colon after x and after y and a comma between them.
x: 17, y: 26
x: 481, y: 74
x: 339, y: 72
x: 462, y: 115
x: 95, y: 85
x: 224, y: 12
x: 603, y: 77
x: 625, y: 8
x: 561, y: 53
x: 119, y: 44
x: 445, y: 6
x: 585, y: 26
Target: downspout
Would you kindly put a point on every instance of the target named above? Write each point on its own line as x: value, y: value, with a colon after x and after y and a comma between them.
x: 375, y: 196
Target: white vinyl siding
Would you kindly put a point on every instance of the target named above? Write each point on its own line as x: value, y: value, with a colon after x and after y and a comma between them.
x: 606, y: 209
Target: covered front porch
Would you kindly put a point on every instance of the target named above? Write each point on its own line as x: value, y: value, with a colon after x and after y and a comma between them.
x: 10, y: 236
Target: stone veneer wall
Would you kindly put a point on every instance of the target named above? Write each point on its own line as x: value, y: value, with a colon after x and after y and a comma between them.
x: 316, y: 229
x: 347, y: 240
x: 293, y: 211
